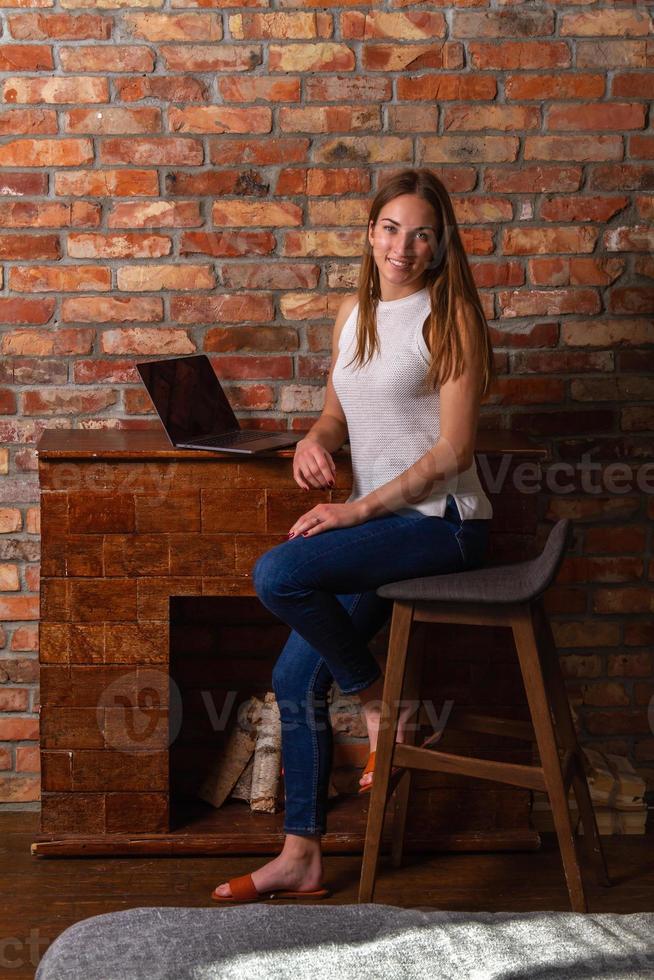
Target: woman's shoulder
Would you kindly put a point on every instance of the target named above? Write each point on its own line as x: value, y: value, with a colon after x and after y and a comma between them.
x: 348, y: 303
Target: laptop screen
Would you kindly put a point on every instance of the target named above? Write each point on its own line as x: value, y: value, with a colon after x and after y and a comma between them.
x: 188, y: 397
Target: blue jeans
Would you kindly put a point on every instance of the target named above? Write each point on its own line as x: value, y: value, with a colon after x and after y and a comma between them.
x: 324, y: 588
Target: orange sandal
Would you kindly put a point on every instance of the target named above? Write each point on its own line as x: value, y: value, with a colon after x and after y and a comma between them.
x: 370, y: 767
x: 244, y: 890
x: 396, y: 773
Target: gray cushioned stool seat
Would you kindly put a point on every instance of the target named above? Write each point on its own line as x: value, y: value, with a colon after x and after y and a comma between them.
x: 516, y: 582
x: 357, y: 942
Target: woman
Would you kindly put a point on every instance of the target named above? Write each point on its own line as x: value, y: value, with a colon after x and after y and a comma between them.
x: 411, y: 362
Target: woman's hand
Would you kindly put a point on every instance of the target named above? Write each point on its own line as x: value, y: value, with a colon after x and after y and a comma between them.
x: 326, y: 517
x: 313, y: 466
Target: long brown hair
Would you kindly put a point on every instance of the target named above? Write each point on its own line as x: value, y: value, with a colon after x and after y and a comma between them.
x: 448, y: 278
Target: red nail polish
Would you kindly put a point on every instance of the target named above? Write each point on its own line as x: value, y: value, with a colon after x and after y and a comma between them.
x: 291, y: 534
x: 304, y: 534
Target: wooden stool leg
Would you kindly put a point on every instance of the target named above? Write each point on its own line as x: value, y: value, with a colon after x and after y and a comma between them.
x: 527, y: 649
x: 568, y: 736
x: 410, y: 692
x: 393, y: 682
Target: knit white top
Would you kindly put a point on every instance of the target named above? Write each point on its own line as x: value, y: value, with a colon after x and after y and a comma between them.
x: 393, y: 418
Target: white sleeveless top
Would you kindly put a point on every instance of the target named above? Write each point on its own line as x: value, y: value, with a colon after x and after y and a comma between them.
x: 393, y: 418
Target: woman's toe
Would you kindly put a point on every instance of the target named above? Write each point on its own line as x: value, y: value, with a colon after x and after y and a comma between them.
x: 224, y: 890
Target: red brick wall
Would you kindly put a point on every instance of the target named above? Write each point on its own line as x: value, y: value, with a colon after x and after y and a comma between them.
x: 177, y: 179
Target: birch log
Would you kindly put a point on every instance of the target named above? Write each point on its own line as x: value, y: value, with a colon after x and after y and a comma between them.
x: 225, y: 774
x: 267, y: 758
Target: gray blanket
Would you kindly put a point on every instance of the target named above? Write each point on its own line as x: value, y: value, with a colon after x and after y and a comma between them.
x: 303, y: 942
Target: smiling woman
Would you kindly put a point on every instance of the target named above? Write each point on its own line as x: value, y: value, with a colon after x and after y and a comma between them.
x: 411, y: 361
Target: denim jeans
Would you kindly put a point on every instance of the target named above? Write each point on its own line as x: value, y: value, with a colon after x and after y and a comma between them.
x: 324, y: 588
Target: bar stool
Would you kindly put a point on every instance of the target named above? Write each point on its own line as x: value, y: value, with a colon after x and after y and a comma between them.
x: 501, y: 595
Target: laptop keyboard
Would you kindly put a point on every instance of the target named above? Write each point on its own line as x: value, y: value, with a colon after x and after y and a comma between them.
x: 231, y: 438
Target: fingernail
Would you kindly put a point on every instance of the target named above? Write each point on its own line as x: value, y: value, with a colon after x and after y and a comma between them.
x: 304, y: 534
x: 291, y: 534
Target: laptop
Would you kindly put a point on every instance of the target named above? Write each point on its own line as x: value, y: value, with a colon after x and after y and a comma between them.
x: 194, y: 409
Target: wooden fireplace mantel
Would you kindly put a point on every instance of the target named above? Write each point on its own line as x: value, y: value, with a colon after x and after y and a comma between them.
x: 129, y: 523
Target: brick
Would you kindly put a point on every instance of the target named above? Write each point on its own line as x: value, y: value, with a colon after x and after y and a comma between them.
x: 247, y: 214
x: 39, y: 343
x: 305, y: 243
x: 227, y: 244
x: 217, y: 57
x: 168, y: 89
x: 582, y: 208
x: 606, y: 332
x: 113, y: 58
x: 346, y: 88
x: 141, y: 278
x: 412, y: 57
x: 109, y: 120
x: 555, y: 86
x: 19, y: 789
x: 62, y: 27
x: 25, y: 57
x: 259, y: 88
x: 551, y: 302
x: 329, y: 119
x: 502, y: 23
x: 633, y: 84
x: 310, y: 57
x: 637, y: 238
x: 14, y: 699
x: 594, y: 272
x: 583, y: 149
x: 244, y: 27
x: 621, y: 177
x: 107, y: 183
x: 159, y: 214
x: 173, y: 27
x: 29, y: 247
x: 15, y: 311
x: 560, y: 362
x: 611, y: 54
x: 603, y: 693
x: 513, y: 55
x: 48, y: 214
x: 262, y: 152
x: 144, y: 340
x: 453, y: 149
x: 257, y: 339
x: 17, y: 184
x: 530, y: 241
x: 617, y: 23
x: 54, y: 401
x: 502, y: 117
x: 111, y: 309
x: 55, y: 90
x: 612, y: 389
x: 162, y: 151
x: 46, y: 153
x: 408, y: 26
x: 9, y: 582
x: 612, y: 116
x: 532, y: 179
x: 99, y: 246
x: 526, y: 391
x: 221, y: 307
x: 624, y: 600
x: 219, y: 119
x: 629, y: 664
x: 10, y: 520
x: 17, y: 608
x: 69, y: 278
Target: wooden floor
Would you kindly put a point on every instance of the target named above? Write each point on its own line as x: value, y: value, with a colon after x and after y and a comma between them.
x: 41, y: 897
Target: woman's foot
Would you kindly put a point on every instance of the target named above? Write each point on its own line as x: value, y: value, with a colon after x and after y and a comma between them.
x: 371, y: 708
x: 298, y: 867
